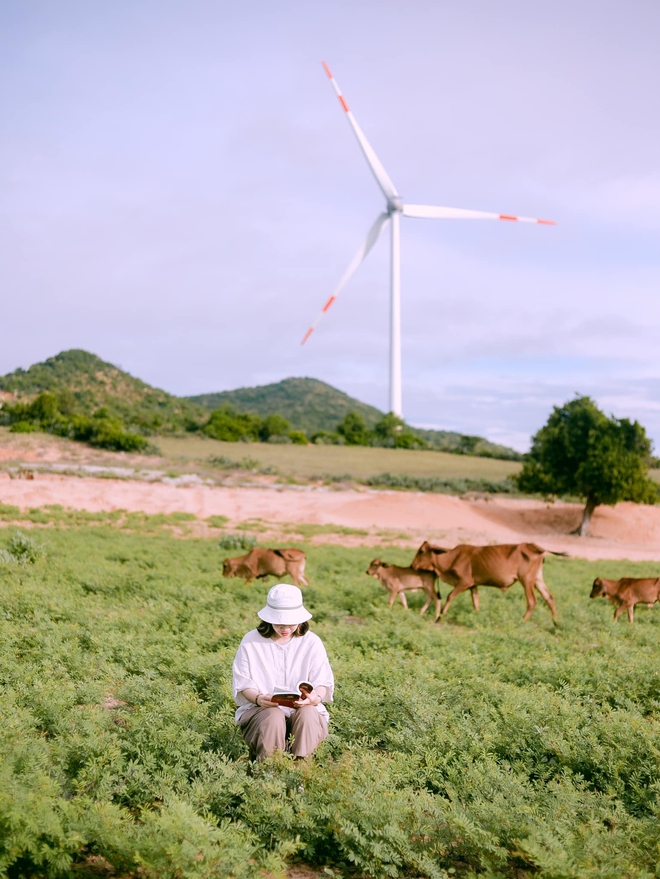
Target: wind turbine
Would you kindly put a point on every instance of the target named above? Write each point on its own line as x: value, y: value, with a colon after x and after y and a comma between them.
x: 394, y: 209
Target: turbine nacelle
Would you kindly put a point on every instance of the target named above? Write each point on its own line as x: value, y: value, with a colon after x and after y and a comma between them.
x: 395, y: 205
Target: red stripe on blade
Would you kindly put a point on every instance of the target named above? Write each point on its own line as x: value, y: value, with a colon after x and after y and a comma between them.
x: 507, y: 217
x: 328, y: 303
x: 547, y: 222
x: 327, y: 69
x: 307, y: 335
x: 343, y: 103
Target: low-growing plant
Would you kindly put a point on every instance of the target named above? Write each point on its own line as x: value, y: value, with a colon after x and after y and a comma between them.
x: 236, y: 541
x: 217, y: 521
x: 480, y: 746
x: 444, y: 486
x: 22, y: 550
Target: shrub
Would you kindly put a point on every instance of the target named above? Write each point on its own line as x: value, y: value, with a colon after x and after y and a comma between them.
x: 325, y: 438
x: 53, y: 413
x: 22, y: 550
x: 444, y: 486
x: 298, y: 437
x: 22, y: 427
x: 273, y: 426
x: 230, y: 426
x: 237, y: 541
x: 354, y: 430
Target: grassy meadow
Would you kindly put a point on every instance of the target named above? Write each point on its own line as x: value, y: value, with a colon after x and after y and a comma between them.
x: 481, y: 746
x: 357, y: 461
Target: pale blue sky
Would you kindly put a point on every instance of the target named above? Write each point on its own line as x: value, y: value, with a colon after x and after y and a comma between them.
x: 179, y: 193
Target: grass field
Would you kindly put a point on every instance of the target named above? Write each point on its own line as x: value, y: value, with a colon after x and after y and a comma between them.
x: 480, y: 746
x: 359, y: 462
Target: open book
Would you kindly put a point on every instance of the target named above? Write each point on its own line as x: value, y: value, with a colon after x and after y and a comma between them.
x: 288, y: 697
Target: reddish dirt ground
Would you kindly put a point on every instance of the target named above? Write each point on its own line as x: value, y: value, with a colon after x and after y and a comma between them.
x: 624, y: 531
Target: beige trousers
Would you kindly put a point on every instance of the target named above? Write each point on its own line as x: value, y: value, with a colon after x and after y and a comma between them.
x: 267, y: 729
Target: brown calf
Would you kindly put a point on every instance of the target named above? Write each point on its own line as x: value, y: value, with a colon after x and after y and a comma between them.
x: 466, y: 567
x: 627, y: 592
x: 262, y: 563
x: 396, y: 580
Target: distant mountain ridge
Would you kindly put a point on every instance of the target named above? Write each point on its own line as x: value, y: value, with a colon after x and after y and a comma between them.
x: 307, y: 403
x: 311, y: 405
x: 93, y: 383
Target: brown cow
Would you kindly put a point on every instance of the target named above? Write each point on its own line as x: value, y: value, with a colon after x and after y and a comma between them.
x: 396, y: 580
x: 627, y: 592
x: 466, y: 567
x: 262, y: 563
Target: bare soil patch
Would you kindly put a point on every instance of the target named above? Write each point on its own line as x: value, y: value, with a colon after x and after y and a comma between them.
x: 357, y: 516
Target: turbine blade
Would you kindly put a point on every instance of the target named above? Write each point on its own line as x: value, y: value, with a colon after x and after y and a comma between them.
x: 377, y: 169
x: 365, y: 247
x: 431, y: 212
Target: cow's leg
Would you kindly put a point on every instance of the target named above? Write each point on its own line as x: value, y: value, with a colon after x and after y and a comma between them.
x: 392, y: 598
x: 403, y: 599
x: 547, y: 595
x: 297, y: 572
x: 438, y: 606
x: 452, y: 595
x: 425, y: 607
x: 631, y: 614
x: 531, y: 600
x: 474, y: 592
x: 618, y: 612
x: 249, y: 580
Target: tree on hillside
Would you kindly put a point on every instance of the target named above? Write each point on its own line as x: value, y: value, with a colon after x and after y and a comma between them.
x: 273, y: 425
x: 230, y: 426
x: 354, y: 430
x: 393, y: 432
x: 581, y: 451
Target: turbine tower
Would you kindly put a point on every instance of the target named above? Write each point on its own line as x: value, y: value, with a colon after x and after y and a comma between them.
x: 394, y: 209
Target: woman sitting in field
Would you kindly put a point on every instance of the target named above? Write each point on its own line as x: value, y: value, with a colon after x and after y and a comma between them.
x: 277, y: 655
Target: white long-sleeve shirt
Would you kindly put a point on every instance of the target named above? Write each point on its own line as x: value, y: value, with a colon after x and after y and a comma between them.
x: 263, y: 664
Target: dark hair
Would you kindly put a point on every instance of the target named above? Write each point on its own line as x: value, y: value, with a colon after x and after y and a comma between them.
x: 266, y: 630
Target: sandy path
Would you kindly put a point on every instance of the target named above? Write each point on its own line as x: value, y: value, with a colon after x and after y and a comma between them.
x: 624, y: 531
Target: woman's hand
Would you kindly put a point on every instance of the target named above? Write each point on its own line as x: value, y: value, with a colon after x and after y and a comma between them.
x: 312, y: 698
x: 264, y: 700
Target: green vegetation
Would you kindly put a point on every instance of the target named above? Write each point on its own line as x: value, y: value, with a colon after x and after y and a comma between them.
x: 88, y: 383
x: 316, y: 409
x: 308, y: 404
x: 53, y: 413
x: 442, y: 486
x: 479, y: 747
x: 580, y: 451
x: 389, y: 432
x: 21, y: 550
x: 287, y: 412
x: 236, y: 541
x: 228, y: 425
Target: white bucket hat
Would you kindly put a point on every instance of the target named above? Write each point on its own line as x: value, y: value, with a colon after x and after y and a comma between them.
x: 284, y: 606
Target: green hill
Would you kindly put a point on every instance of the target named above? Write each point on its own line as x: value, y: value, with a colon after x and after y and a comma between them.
x: 311, y: 405
x: 86, y: 384
x: 307, y: 403
x: 91, y: 384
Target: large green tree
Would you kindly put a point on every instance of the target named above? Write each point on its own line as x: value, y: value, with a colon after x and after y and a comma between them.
x: 581, y: 451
